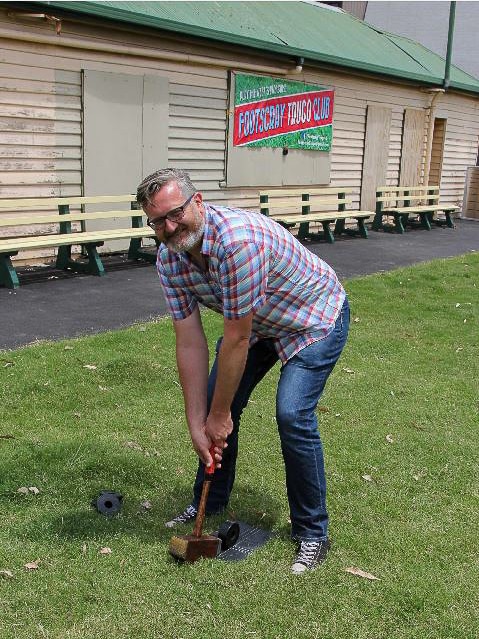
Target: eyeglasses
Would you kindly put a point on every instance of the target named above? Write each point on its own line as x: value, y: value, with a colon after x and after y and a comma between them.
x: 173, y: 216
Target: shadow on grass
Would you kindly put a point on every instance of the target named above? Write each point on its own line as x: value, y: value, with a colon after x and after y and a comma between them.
x: 148, y: 525
x: 70, y: 477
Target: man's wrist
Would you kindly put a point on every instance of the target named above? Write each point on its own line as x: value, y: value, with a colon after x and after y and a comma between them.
x: 219, y: 412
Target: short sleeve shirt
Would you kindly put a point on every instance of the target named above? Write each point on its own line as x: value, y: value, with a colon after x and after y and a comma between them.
x: 256, y: 266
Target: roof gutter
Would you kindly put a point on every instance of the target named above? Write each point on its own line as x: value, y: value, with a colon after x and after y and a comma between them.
x: 143, y: 52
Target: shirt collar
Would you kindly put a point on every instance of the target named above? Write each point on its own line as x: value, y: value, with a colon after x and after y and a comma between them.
x: 208, y: 239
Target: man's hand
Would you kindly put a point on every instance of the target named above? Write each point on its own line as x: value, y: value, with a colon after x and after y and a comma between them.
x: 202, y: 445
x: 218, y: 426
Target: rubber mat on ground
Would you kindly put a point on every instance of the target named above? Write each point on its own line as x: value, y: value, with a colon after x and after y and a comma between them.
x: 250, y: 539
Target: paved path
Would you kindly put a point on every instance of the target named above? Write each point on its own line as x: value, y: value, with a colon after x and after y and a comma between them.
x: 53, y: 305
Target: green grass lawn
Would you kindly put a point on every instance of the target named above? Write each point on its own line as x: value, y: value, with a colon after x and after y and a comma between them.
x: 105, y: 412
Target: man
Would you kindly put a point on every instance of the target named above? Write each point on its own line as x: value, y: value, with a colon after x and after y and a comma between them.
x: 279, y: 302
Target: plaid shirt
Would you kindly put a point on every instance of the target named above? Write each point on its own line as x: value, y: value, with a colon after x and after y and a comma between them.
x: 255, y: 265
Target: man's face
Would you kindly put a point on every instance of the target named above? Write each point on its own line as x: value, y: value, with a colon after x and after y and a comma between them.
x: 184, y: 234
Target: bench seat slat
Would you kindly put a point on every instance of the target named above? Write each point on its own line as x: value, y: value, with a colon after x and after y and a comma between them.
x: 66, y: 239
x: 321, y: 216
x: 422, y: 209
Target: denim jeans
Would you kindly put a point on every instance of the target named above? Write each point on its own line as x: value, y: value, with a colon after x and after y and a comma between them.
x: 301, y: 383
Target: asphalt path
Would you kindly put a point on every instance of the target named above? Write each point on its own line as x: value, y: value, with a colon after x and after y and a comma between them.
x: 52, y: 305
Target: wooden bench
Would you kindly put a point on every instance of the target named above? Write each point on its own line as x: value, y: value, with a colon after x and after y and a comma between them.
x: 324, y: 206
x: 25, y: 225
x: 407, y: 203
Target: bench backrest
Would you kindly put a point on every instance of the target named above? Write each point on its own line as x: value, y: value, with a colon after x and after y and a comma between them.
x: 391, y: 196
x: 30, y: 212
x: 285, y: 201
x: 53, y: 202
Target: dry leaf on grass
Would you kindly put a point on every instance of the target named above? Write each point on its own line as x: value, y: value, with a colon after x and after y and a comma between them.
x: 68, y: 348
x: 348, y: 370
x: 389, y: 438
x: 105, y: 551
x: 361, y: 573
x: 23, y: 490
x: 367, y: 477
x: 91, y: 367
x: 356, y: 319
x: 147, y: 505
x: 32, y: 565
x: 6, y: 574
x: 7, y: 436
x: 84, y: 549
x: 34, y: 490
x: 133, y: 445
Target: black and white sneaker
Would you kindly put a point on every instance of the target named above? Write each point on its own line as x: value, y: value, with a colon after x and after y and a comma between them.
x: 310, y: 555
x: 187, y: 515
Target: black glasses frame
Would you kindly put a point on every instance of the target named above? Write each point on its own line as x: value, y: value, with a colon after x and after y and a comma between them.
x: 175, y: 215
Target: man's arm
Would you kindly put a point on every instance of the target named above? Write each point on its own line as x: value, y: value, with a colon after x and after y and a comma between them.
x: 192, y: 362
x: 231, y: 363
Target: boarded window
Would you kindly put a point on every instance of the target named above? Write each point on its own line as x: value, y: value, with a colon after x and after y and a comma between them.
x: 412, y: 148
x: 376, y: 151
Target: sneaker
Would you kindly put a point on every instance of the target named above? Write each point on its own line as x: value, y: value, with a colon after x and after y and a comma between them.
x: 187, y: 515
x: 310, y: 555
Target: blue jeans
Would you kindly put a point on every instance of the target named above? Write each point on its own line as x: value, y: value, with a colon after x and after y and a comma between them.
x: 301, y: 383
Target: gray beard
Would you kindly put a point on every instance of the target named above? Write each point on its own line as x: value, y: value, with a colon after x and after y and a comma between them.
x: 185, y: 242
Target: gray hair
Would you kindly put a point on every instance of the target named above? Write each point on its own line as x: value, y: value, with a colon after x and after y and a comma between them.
x: 153, y: 183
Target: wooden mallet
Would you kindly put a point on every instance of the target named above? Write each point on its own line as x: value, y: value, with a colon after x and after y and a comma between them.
x: 192, y: 547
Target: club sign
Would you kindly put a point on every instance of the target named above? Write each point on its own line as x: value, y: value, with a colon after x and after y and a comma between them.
x: 282, y: 113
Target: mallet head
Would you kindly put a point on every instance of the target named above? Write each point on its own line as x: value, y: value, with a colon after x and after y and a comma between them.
x: 189, y: 548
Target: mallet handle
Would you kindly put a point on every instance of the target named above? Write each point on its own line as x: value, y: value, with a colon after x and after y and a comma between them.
x: 200, y: 517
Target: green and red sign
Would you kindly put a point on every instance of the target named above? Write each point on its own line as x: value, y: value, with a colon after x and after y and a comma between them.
x: 282, y: 113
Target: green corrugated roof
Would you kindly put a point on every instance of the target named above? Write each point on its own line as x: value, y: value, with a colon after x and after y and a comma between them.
x: 314, y: 32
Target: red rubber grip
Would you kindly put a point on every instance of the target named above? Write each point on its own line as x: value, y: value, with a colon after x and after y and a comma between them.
x: 210, y: 470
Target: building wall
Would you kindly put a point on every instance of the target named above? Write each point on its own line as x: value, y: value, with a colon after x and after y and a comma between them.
x: 41, y: 110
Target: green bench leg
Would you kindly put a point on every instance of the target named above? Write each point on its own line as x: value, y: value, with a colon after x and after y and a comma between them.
x: 328, y: 235
x: 8, y: 274
x: 94, y: 266
x: 136, y: 252
x: 363, y: 231
x: 449, y: 220
x: 398, y: 222
x: 377, y: 222
x: 303, y: 230
x: 425, y: 222
x: 339, y: 227
x: 64, y: 257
